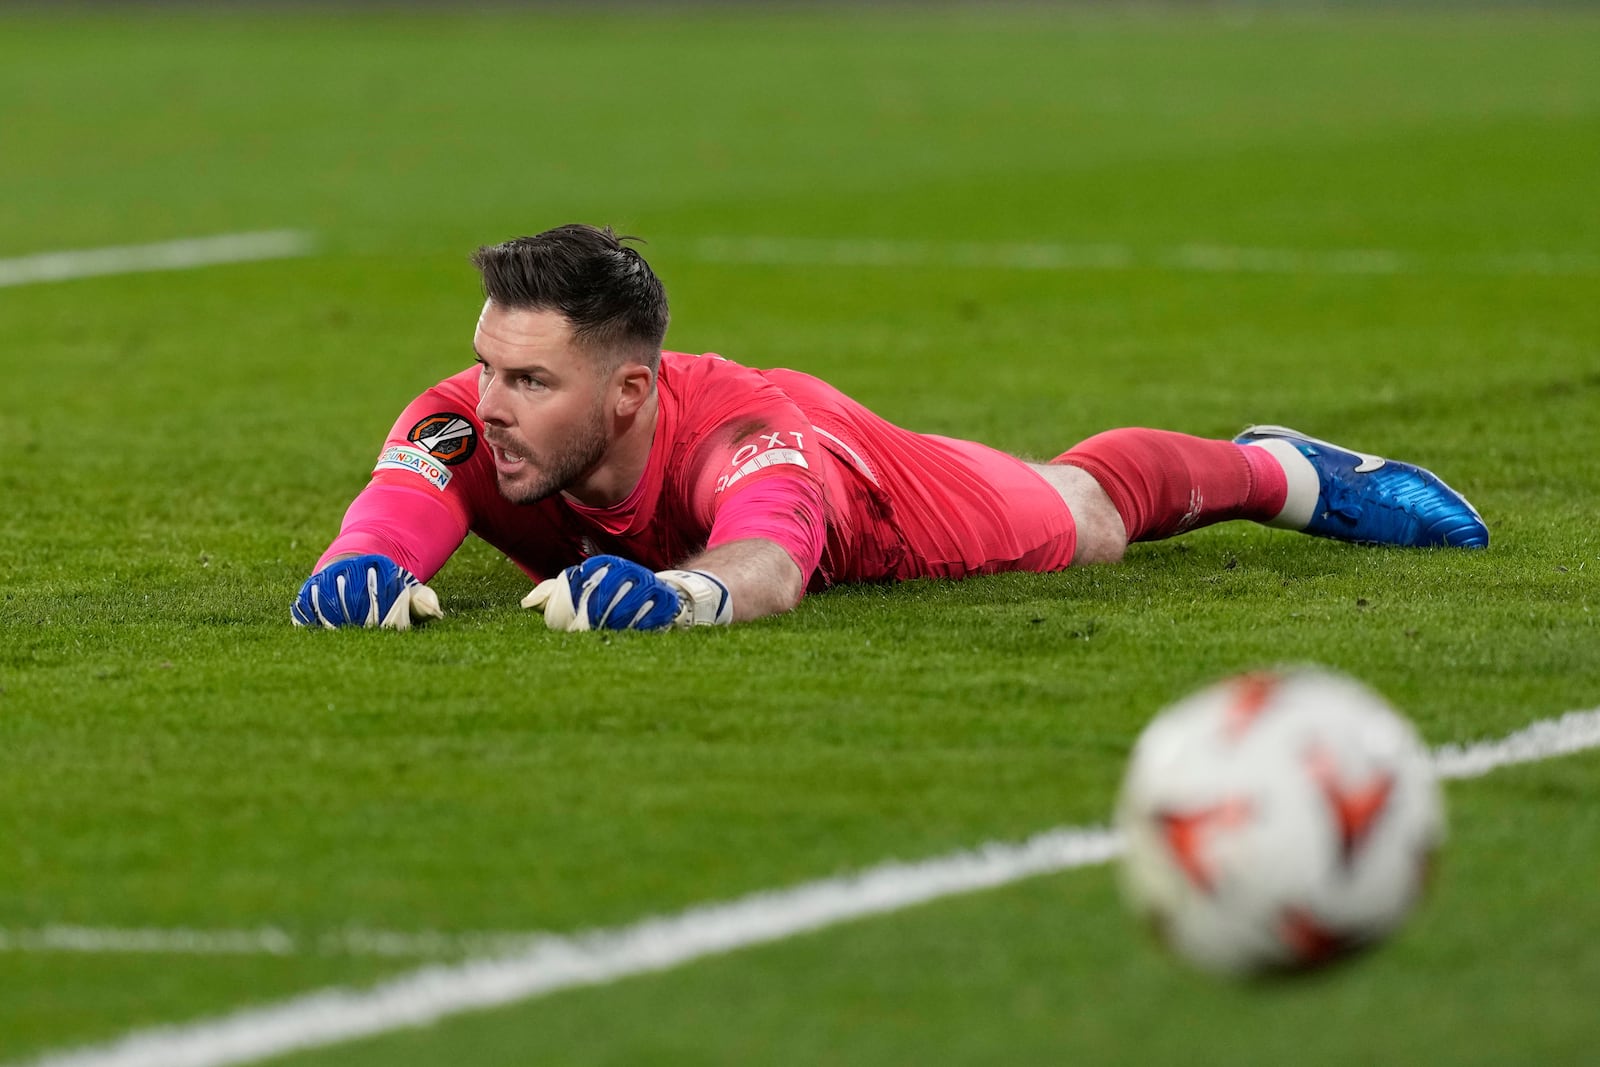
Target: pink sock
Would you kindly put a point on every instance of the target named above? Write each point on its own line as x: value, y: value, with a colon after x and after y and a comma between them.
x: 1164, y: 483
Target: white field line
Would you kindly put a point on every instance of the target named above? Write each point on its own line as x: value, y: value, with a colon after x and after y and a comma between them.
x: 165, y: 255
x: 552, y: 963
x: 1573, y: 732
x: 823, y: 252
x: 431, y: 993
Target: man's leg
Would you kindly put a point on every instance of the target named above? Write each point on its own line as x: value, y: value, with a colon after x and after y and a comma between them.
x: 1101, y: 535
x: 1161, y: 483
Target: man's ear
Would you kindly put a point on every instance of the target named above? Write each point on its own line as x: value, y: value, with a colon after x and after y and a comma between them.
x: 634, y: 382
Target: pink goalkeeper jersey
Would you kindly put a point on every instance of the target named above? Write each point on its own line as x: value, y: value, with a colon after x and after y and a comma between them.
x: 737, y: 453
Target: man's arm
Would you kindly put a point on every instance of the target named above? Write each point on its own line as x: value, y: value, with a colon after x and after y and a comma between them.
x: 393, y: 539
x: 399, y: 530
x: 735, y: 581
x: 368, y: 576
x: 760, y: 575
x: 752, y: 569
x: 417, y: 528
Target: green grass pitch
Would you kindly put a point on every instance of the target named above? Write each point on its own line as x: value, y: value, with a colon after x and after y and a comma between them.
x: 178, y: 448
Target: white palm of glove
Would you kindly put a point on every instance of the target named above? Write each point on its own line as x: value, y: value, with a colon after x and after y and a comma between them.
x: 553, y: 597
x: 416, y: 603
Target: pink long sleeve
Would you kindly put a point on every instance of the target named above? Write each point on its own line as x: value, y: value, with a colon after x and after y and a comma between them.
x: 415, y: 527
x: 786, y: 510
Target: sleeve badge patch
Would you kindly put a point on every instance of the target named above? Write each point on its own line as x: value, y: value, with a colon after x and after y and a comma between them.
x: 447, y: 437
x: 406, y: 458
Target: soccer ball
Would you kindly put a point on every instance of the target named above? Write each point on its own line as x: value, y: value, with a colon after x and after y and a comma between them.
x: 1277, y: 821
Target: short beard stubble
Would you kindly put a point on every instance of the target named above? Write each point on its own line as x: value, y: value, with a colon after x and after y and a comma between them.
x: 574, y: 458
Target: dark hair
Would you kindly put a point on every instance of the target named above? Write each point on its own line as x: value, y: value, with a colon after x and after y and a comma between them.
x: 615, y: 303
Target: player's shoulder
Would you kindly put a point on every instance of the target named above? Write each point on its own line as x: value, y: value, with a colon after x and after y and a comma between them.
x: 694, y: 378
x: 680, y: 367
x: 457, y: 393
x: 460, y: 389
x: 437, y: 432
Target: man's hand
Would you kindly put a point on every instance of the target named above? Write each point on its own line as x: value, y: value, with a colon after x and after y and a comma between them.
x: 611, y: 593
x: 364, y: 591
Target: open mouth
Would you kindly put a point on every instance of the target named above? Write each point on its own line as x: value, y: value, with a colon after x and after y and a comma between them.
x: 506, y: 461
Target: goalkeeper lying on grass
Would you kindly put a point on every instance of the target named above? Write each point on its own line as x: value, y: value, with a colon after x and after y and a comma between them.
x: 644, y: 489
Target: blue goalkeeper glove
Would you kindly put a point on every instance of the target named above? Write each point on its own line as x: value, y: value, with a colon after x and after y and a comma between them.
x: 364, y: 591
x: 611, y: 593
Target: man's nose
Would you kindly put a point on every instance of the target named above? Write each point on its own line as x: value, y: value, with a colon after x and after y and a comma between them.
x: 490, y: 409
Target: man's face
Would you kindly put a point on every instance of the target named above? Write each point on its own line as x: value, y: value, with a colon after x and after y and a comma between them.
x: 542, y: 402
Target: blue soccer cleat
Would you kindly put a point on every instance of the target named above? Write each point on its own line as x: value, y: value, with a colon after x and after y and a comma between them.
x: 1371, y: 500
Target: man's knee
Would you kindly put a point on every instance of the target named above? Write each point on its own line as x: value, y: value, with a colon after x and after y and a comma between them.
x: 1102, y: 537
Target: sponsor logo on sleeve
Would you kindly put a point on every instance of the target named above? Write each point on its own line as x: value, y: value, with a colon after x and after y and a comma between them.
x: 406, y: 458
x: 447, y: 437
x: 769, y: 449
